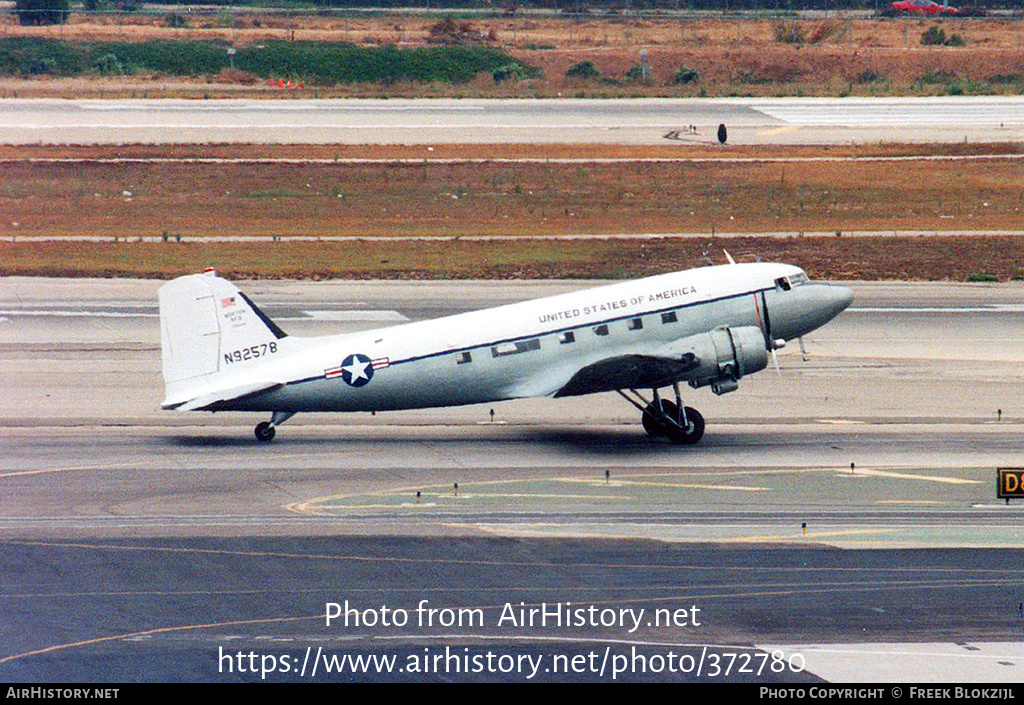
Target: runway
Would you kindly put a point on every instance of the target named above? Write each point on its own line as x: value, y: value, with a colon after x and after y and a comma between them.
x: 135, y: 543
x: 554, y: 121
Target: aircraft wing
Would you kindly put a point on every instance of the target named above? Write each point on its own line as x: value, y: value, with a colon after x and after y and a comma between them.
x: 628, y: 372
x: 210, y: 400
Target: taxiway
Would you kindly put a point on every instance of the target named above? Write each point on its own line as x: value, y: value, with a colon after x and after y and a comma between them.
x: 136, y: 543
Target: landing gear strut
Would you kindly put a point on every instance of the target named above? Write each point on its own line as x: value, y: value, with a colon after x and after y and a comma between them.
x: 661, y: 417
x: 265, y: 430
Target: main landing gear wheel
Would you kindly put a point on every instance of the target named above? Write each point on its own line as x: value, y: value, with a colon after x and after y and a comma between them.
x: 665, y: 420
x: 265, y: 432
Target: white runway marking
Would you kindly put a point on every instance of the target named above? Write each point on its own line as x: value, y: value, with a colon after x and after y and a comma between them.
x: 80, y: 314
x: 994, y: 308
x: 333, y: 316
x: 345, y: 316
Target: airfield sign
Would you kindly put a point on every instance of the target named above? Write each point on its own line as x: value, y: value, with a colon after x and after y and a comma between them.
x: 1010, y: 483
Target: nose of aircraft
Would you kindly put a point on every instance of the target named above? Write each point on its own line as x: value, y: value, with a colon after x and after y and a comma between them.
x: 841, y: 297
x: 807, y: 308
x: 826, y: 301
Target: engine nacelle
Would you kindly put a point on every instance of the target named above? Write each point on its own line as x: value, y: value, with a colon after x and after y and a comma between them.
x: 725, y: 354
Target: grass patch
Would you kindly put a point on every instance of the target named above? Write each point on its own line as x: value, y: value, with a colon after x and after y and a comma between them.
x: 951, y: 84
x: 347, y: 63
x: 321, y: 62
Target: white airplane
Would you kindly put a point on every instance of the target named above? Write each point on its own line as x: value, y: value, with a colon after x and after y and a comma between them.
x: 709, y: 327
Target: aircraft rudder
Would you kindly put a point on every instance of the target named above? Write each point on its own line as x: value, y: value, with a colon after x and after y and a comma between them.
x: 210, y: 329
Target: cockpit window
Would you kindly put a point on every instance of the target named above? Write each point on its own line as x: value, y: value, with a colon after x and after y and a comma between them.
x: 787, y: 283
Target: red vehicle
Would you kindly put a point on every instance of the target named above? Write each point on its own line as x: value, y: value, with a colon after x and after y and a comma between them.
x: 926, y: 7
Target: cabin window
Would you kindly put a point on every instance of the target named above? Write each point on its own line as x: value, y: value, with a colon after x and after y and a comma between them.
x: 519, y: 346
x: 669, y: 317
x: 782, y: 283
x: 463, y: 357
x: 601, y: 329
x: 567, y: 337
x: 636, y: 323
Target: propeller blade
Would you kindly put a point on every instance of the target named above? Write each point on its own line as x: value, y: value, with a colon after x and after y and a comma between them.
x: 803, y: 350
x: 775, y: 360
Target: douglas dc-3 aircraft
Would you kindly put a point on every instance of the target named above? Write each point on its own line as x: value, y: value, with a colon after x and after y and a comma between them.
x: 709, y: 327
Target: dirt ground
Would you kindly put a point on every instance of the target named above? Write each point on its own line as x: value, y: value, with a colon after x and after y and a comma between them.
x: 119, y: 202
x: 463, y: 198
x: 845, y: 258
x: 732, y: 57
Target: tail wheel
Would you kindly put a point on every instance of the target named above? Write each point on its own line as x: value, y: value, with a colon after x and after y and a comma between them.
x: 265, y: 432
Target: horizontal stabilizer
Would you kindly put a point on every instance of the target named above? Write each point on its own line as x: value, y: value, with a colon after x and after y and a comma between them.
x: 213, y: 399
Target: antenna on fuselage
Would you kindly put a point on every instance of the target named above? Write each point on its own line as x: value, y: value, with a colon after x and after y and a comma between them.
x: 729, y: 257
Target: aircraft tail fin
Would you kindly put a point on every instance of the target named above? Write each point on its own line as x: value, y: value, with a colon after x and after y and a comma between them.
x: 208, y: 331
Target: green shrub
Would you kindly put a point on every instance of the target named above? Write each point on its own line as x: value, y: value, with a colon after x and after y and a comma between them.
x: 584, y: 69
x: 23, y: 56
x: 108, y: 65
x: 955, y: 41
x: 175, y: 58
x: 347, y: 63
x: 507, y: 72
x: 933, y: 36
x: 312, y: 61
x: 869, y: 76
x: 44, y: 66
x: 684, y: 76
x: 41, y: 12
x: 636, y: 73
x: 935, y: 77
